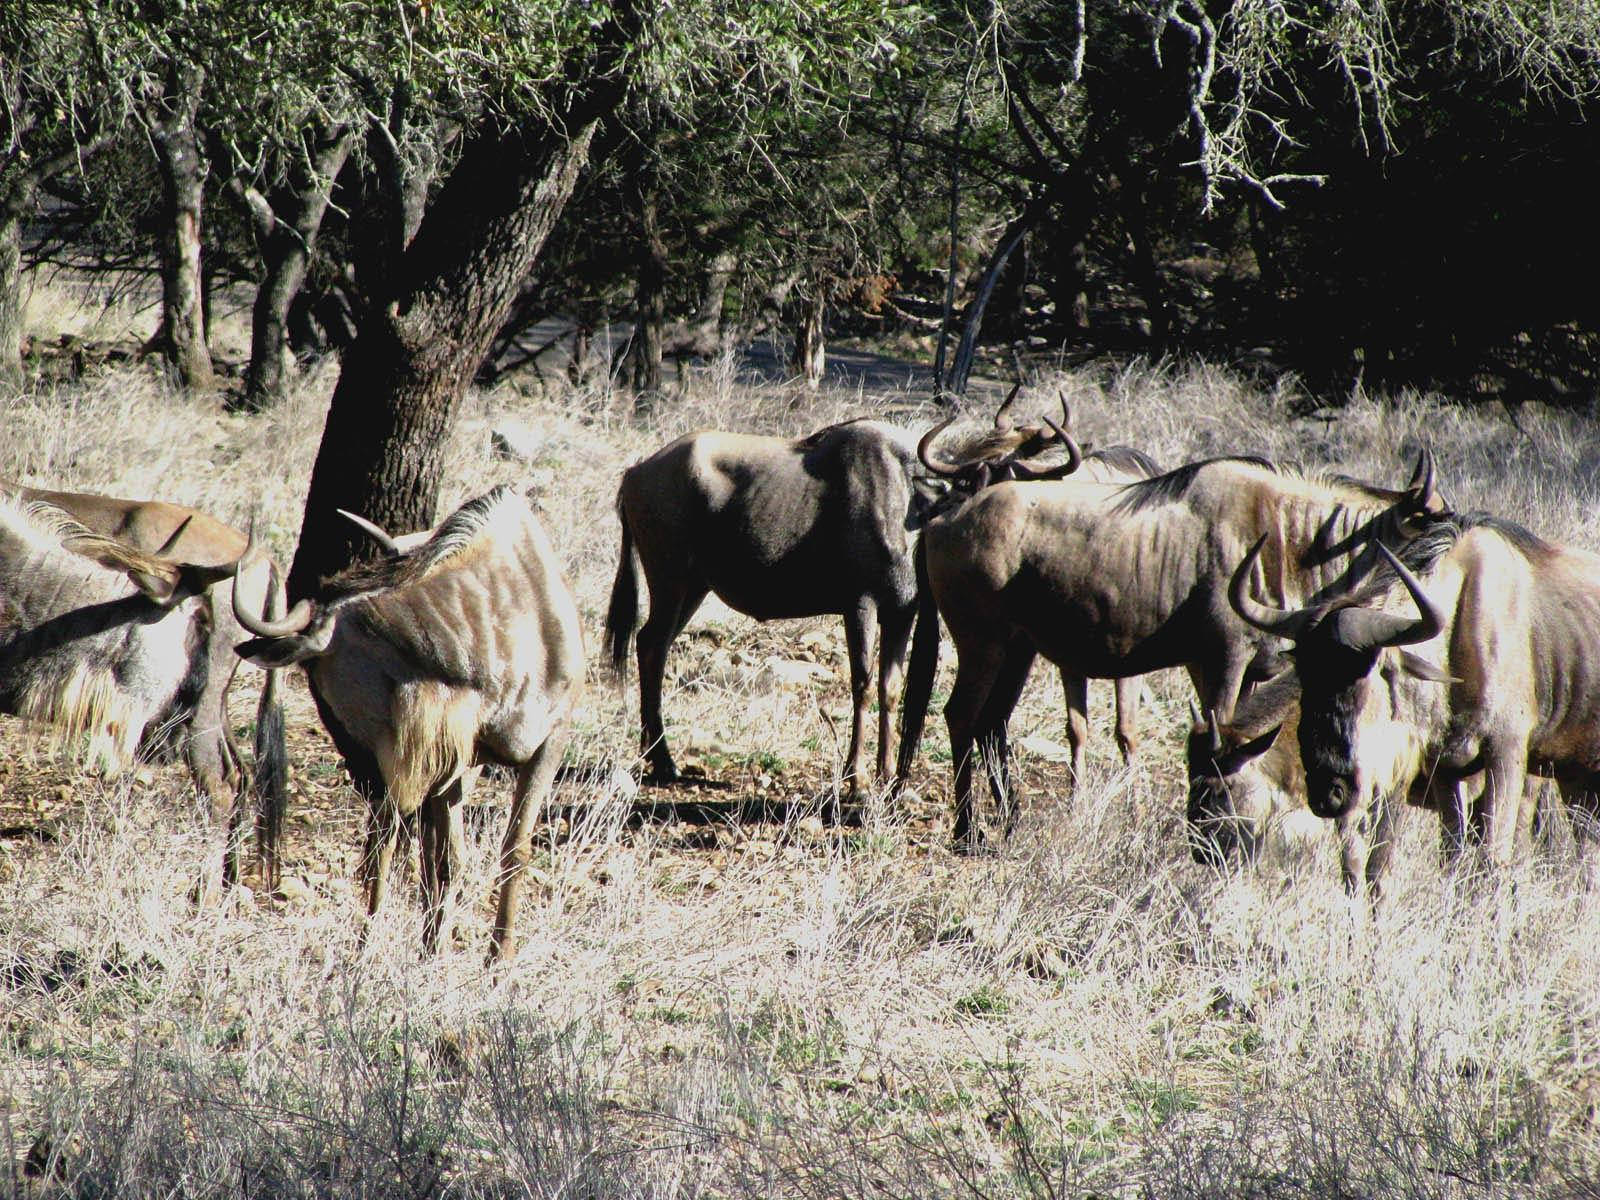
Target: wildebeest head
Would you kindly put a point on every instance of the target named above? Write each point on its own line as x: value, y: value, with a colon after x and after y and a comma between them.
x: 1002, y: 454
x: 1339, y: 646
x: 1227, y: 799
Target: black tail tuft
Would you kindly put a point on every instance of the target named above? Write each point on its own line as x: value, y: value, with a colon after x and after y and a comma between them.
x: 924, y: 664
x: 271, y: 783
x: 623, y: 613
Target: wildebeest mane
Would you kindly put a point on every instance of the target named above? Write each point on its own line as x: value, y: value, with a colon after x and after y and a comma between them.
x: 1126, y: 458
x: 385, y: 574
x: 1175, y: 484
x: 56, y: 525
x: 1421, y: 553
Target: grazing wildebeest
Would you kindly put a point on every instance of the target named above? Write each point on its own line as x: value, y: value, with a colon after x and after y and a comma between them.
x: 101, y: 639
x: 780, y: 527
x: 1114, y: 464
x: 465, y: 650
x: 189, y: 535
x: 1504, y: 679
x: 1113, y: 580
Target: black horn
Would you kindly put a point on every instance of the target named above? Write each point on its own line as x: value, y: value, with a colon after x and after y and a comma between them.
x: 1285, y: 623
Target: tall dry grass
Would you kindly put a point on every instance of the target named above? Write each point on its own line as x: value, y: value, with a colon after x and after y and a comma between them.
x: 780, y: 1008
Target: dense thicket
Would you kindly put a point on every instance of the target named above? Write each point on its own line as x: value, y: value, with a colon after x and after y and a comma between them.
x: 1390, y: 193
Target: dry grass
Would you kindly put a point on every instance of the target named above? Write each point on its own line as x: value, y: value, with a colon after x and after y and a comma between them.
x: 776, y: 1008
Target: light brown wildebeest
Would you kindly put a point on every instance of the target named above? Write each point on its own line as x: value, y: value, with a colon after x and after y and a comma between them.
x: 101, y: 639
x: 1503, y: 680
x: 781, y: 527
x: 189, y: 535
x: 467, y: 649
x: 1112, y: 580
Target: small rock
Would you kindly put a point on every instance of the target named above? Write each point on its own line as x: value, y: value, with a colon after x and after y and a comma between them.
x: 789, y: 672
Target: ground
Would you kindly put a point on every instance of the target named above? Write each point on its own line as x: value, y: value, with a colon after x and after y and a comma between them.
x: 719, y: 991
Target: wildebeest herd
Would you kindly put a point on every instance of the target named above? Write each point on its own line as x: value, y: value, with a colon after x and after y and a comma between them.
x: 1351, y: 646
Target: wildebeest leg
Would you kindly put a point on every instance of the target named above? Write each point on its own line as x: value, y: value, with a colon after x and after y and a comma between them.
x: 977, y: 666
x: 994, y: 723
x: 1380, y: 843
x: 441, y: 858
x: 1127, y: 690
x: 533, y: 789
x: 858, y: 631
x: 1507, y: 818
x: 1075, y: 688
x: 894, y: 640
x: 383, y: 823
x: 670, y: 609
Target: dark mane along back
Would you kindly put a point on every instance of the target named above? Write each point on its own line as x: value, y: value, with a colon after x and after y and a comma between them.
x: 1175, y: 484
x: 458, y: 530
x: 1427, y: 548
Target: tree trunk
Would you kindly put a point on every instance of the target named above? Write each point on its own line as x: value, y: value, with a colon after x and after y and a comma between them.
x: 810, y: 350
x: 181, y: 336
x: 961, y: 368
x: 287, y: 228
x: 10, y: 299
x: 650, y: 289
x: 401, y: 384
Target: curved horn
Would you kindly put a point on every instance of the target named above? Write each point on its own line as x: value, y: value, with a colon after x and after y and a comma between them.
x: 1282, y: 622
x: 1002, y: 422
x: 1423, y: 488
x: 1074, y: 458
x: 1215, y: 731
x: 166, y: 546
x: 1370, y: 629
x: 375, y: 532
x: 924, y: 452
x: 299, y: 616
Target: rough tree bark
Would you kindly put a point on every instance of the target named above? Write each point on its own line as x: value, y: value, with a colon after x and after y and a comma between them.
x: 181, y: 337
x: 286, y: 225
x: 401, y: 384
x: 810, y: 348
x: 10, y: 297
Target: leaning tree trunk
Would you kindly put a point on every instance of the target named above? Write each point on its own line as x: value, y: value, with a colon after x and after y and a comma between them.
x: 287, y: 227
x: 961, y: 368
x: 181, y: 337
x: 401, y: 384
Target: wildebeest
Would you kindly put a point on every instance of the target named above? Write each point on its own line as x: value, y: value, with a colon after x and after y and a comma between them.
x: 780, y: 527
x: 1115, y: 580
x: 99, y: 638
x: 1503, y: 678
x: 467, y: 649
x: 189, y: 535
x: 1114, y: 464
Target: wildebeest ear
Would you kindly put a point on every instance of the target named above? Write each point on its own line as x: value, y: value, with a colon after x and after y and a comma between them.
x: 1420, y: 668
x: 160, y: 588
x: 1268, y: 663
x: 272, y: 653
x: 1256, y: 746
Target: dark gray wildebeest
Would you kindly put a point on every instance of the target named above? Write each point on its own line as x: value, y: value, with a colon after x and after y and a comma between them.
x: 1114, y: 464
x: 1503, y: 680
x: 188, y: 535
x: 1111, y: 580
x: 103, y: 640
x: 781, y: 527
x: 465, y: 650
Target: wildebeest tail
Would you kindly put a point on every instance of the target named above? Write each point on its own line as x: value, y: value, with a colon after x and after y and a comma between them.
x: 623, y: 613
x: 271, y: 782
x: 924, y: 663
